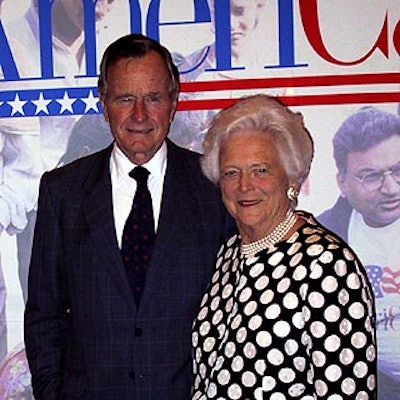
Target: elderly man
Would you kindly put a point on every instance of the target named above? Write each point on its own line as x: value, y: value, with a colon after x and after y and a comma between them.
x: 367, y: 215
x: 113, y: 290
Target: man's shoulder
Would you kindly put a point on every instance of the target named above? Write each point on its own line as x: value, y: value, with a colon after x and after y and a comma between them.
x: 184, y: 160
x: 337, y: 217
x: 325, y: 216
x: 184, y: 169
x: 341, y: 209
x: 181, y: 152
x: 80, y: 168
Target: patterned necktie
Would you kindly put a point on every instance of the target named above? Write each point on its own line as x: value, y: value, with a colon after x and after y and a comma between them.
x: 138, y: 236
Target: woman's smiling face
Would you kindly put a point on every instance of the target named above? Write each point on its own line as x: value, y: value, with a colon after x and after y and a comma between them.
x: 253, y: 183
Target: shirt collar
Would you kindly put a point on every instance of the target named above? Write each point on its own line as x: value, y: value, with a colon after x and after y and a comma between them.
x: 120, y: 165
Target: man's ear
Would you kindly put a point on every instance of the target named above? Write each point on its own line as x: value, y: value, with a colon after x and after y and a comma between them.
x: 103, y: 105
x: 342, y: 183
x: 174, y: 108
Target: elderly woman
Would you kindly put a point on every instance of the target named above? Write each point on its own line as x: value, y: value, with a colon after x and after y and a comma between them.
x: 289, y: 311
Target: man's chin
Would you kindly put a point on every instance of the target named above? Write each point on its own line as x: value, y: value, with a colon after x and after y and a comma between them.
x: 385, y: 218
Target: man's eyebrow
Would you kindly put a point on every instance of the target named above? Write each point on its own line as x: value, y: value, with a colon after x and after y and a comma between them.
x: 125, y: 94
x: 372, y: 169
x: 366, y: 170
x: 155, y: 93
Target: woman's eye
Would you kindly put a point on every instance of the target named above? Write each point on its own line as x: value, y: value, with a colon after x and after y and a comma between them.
x: 261, y: 171
x: 230, y: 174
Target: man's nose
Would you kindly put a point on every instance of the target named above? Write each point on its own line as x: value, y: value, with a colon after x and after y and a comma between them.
x: 389, y: 184
x: 139, y: 112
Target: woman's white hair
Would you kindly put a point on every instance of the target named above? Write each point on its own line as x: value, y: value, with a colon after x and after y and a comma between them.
x: 264, y: 114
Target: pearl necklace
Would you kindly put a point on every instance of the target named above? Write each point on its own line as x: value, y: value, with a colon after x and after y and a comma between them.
x: 275, y: 236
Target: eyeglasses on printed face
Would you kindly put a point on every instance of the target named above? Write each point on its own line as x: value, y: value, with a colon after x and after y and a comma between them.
x: 373, y: 181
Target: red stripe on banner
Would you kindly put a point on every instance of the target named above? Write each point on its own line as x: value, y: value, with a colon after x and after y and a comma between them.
x: 305, y: 100
x: 295, y: 81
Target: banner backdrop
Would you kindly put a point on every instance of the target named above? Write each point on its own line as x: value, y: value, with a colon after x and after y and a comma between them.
x: 329, y: 59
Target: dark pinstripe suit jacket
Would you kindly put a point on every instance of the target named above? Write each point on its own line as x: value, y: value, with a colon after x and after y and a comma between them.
x: 84, y: 337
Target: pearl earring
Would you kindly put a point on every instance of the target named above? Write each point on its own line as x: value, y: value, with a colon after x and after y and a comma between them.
x: 292, y: 193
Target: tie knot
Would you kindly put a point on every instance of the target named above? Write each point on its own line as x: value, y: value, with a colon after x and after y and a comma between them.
x: 140, y: 174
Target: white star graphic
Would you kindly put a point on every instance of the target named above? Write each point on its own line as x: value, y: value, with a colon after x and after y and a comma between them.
x: 66, y: 103
x: 17, y: 105
x: 91, y: 102
x: 41, y: 104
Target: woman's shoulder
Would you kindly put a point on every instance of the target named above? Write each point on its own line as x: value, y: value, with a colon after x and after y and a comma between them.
x: 232, y: 242
x: 320, y: 241
x: 328, y: 253
x: 230, y: 248
x: 313, y: 229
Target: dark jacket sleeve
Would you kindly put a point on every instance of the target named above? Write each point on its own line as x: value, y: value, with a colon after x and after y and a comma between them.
x: 46, y: 313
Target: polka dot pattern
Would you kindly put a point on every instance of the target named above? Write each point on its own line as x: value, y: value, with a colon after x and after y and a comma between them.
x: 295, y: 322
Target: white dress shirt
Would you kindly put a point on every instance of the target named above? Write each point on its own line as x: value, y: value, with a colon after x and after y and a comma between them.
x: 124, y: 187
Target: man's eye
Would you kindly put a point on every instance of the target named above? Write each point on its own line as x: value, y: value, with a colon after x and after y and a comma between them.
x: 126, y: 99
x: 238, y: 11
x: 153, y: 98
x: 372, y: 177
x: 396, y: 171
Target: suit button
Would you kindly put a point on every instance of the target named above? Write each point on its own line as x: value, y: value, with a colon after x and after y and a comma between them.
x: 132, y: 375
x: 138, y: 332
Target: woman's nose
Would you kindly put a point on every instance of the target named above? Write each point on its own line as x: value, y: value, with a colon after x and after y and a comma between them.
x: 245, y: 182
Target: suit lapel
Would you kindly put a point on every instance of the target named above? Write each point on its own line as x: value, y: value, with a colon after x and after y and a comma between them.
x: 98, y: 211
x: 174, y: 208
x: 172, y: 213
